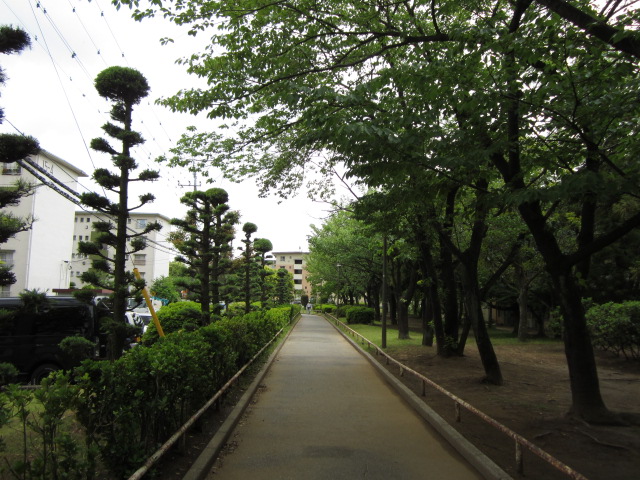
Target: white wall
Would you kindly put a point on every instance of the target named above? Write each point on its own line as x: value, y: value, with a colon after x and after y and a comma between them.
x: 42, y: 254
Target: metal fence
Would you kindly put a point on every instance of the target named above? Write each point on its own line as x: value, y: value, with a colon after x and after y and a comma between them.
x: 519, y: 441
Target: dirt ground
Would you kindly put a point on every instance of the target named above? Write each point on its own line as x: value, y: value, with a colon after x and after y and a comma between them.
x: 533, y: 402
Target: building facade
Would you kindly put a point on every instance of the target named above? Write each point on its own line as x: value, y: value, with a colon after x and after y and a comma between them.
x: 296, y: 264
x: 41, y: 255
x: 152, y: 262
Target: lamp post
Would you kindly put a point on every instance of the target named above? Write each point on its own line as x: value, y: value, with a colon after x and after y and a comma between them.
x: 384, y: 292
x: 338, y: 294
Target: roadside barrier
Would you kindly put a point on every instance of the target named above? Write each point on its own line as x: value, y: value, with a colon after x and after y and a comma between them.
x: 153, y: 459
x: 519, y: 441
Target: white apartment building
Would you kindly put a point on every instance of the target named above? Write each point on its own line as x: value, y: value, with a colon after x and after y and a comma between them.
x: 41, y: 256
x: 152, y: 262
x: 296, y: 263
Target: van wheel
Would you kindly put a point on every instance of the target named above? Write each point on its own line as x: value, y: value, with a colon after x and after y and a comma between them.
x: 41, y: 372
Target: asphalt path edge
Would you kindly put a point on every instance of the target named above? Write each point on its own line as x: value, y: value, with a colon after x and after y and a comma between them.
x: 203, y: 464
x: 483, y: 464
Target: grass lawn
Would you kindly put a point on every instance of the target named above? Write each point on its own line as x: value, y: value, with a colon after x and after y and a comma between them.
x: 499, y: 336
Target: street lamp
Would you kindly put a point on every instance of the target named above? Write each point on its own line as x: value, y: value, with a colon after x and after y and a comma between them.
x: 338, y: 294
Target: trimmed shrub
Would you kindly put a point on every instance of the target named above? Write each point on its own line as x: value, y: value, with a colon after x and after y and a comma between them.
x: 358, y: 314
x: 326, y: 308
x: 131, y: 406
x: 173, y: 318
x: 234, y: 309
x: 615, y: 327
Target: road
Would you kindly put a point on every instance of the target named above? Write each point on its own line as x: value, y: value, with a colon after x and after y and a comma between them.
x: 323, y: 412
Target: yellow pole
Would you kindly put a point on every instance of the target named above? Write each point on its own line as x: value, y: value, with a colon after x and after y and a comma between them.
x: 147, y: 299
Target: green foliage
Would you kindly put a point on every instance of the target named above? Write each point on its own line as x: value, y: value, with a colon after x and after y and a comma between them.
x: 234, y: 309
x: 34, y: 300
x: 49, y: 437
x: 174, y: 317
x: 8, y: 373
x: 124, y: 87
x: 165, y: 288
x: 204, y: 242
x: 615, y: 327
x: 77, y: 349
x: 326, y: 308
x: 132, y: 405
x: 359, y: 314
x: 122, y: 84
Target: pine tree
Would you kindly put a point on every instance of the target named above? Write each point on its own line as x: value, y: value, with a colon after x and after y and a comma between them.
x: 125, y: 87
x: 204, y: 240
x: 248, y: 229
x: 262, y: 246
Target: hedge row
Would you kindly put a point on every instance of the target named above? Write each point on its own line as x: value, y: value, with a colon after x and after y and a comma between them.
x: 358, y: 314
x: 615, y: 327
x: 131, y: 406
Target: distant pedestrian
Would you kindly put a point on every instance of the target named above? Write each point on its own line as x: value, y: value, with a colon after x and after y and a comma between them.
x: 308, y: 308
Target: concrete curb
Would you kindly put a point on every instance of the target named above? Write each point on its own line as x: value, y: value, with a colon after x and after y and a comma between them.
x: 202, y: 466
x: 485, y: 466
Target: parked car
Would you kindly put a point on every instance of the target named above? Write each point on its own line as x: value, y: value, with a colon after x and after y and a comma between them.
x: 30, y: 339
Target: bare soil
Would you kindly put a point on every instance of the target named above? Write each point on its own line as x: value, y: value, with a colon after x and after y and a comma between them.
x: 533, y: 402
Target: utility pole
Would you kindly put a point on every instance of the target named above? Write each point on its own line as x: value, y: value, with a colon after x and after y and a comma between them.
x: 195, y: 183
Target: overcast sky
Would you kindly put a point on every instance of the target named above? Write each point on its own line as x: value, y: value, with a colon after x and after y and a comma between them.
x: 49, y: 94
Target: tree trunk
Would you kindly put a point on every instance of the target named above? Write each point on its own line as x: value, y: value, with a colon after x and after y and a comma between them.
x: 409, y: 283
x: 403, y: 320
x: 464, y: 334
x: 449, y: 287
x: 393, y: 308
x: 586, y: 400
x: 432, y: 299
x: 488, y: 356
x: 427, y: 322
x: 523, y: 308
x: 121, y: 289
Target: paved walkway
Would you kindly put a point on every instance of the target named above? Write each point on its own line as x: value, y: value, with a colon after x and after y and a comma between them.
x: 325, y: 413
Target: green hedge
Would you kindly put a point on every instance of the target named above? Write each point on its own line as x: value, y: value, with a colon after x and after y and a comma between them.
x: 359, y: 314
x: 615, y: 327
x: 173, y: 318
x: 131, y: 406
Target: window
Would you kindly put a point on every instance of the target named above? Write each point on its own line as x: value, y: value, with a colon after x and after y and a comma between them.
x: 141, y: 223
x: 297, y: 272
x: 298, y: 282
x: 81, y: 219
x: 282, y: 258
x: 298, y: 262
x: 10, y: 168
x: 86, y: 237
x: 74, y: 238
x: 139, y: 259
x: 128, y: 220
x: 88, y: 219
x: 6, y: 257
x: 5, y: 291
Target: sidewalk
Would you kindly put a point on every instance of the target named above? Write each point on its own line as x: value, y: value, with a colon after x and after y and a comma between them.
x: 325, y: 413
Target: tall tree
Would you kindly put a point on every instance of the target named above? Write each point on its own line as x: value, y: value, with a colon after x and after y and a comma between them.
x: 204, y: 240
x: 500, y: 85
x: 125, y: 87
x: 263, y: 246
x: 13, y: 148
x: 249, y: 229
